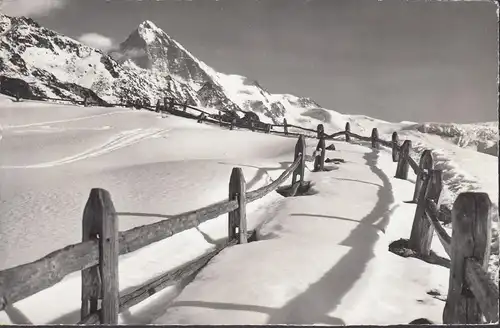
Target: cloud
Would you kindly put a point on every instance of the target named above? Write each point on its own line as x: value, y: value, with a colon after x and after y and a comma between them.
x: 30, y: 8
x: 96, y: 40
x: 128, y: 54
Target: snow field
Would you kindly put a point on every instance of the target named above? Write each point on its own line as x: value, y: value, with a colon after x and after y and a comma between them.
x: 322, y: 259
x: 330, y: 248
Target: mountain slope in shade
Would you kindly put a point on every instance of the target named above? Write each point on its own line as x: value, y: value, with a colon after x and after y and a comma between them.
x: 149, y: 65
x: 51, y: 63
x: 151, y: 49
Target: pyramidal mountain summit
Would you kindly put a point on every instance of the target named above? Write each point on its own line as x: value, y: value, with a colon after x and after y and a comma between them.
x: 147, y: 66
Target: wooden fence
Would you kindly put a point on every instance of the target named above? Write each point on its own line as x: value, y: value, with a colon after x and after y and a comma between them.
x: 472, y: 295
x: 97, y: 255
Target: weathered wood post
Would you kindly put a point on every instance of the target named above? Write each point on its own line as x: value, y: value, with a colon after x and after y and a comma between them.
x: 171, y: 105
x: 101, y: 222
x: 320, y: 130
x: 426, y: 163
x: 395, y: 146
x: 158, y: 106
x: 422, y: 229
x: 375, y: 142
x: 268, y: 128
x: 220, y: 118
x: 319, y: 160
x: 237, y: 218
x: 233, y: 123
x: 300, y: 150
x: 403, y: 164
x: 347, y: 131
x: 165, y: 103
x: 470, y: 240
x: 285, y: 126
x: 252, y: 126
x: 184, y: 107
x: 85, y: 101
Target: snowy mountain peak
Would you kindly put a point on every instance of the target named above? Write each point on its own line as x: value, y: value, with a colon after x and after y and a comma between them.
x: 149, y: 32
x: 150, y: 48
x: 147, y: 66
x: 147, y: 24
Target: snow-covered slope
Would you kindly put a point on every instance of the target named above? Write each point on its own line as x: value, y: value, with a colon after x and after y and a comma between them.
x: 319, y: 259
x: 482, y: 137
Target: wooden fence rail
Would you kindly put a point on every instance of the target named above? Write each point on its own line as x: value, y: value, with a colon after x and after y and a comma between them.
x: 97, y: 255
x: 472, y: 294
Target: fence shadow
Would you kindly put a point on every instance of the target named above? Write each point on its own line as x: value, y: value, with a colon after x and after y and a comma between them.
x: 261, y: 171
x: 145, y: 314
x: 325, y: 295
x: 339, y: 218
x: 249, y: 308
x: 16, y: 316
x: 210, y: 240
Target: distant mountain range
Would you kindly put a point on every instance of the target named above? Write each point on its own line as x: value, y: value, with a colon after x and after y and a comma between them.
x: 149, y: 65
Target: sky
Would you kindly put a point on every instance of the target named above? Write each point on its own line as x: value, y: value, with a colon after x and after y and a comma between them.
x: 394, y: 60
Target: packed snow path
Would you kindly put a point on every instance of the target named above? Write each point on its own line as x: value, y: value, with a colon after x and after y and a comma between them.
x: 322, y: 258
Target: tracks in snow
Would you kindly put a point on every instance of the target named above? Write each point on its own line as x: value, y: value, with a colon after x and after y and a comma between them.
x: 121, y: 140
x: 8, y: 127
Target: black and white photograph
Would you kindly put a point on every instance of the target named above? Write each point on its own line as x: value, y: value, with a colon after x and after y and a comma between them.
x: 249, y: 162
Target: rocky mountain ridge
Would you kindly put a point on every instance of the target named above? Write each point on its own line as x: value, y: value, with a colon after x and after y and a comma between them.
x: 149, y: 65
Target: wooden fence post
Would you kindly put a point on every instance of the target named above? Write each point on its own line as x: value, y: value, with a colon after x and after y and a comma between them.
x: 220, y: 118
x: 395, y: 146
x: 171, y: 105
x: 320, y: 130
x: 85, y: 101
x: 422, y: 229
x: 347, y: 131
x: 233, y: 123
x: 166, y: 101
x: 300, y: 150
x: 252, y: 126
x: 426, y: 163
x: 268, y: 128
x: 158, y: 106
x: 91, y: 282
x: 471, y: 238
x: 319, y: 161
x: 375, y: 143
x: 285, y: 126
x: 237, y: 218
x: 403, y: 164
x: 101, y: 222
x: 184, y: 107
